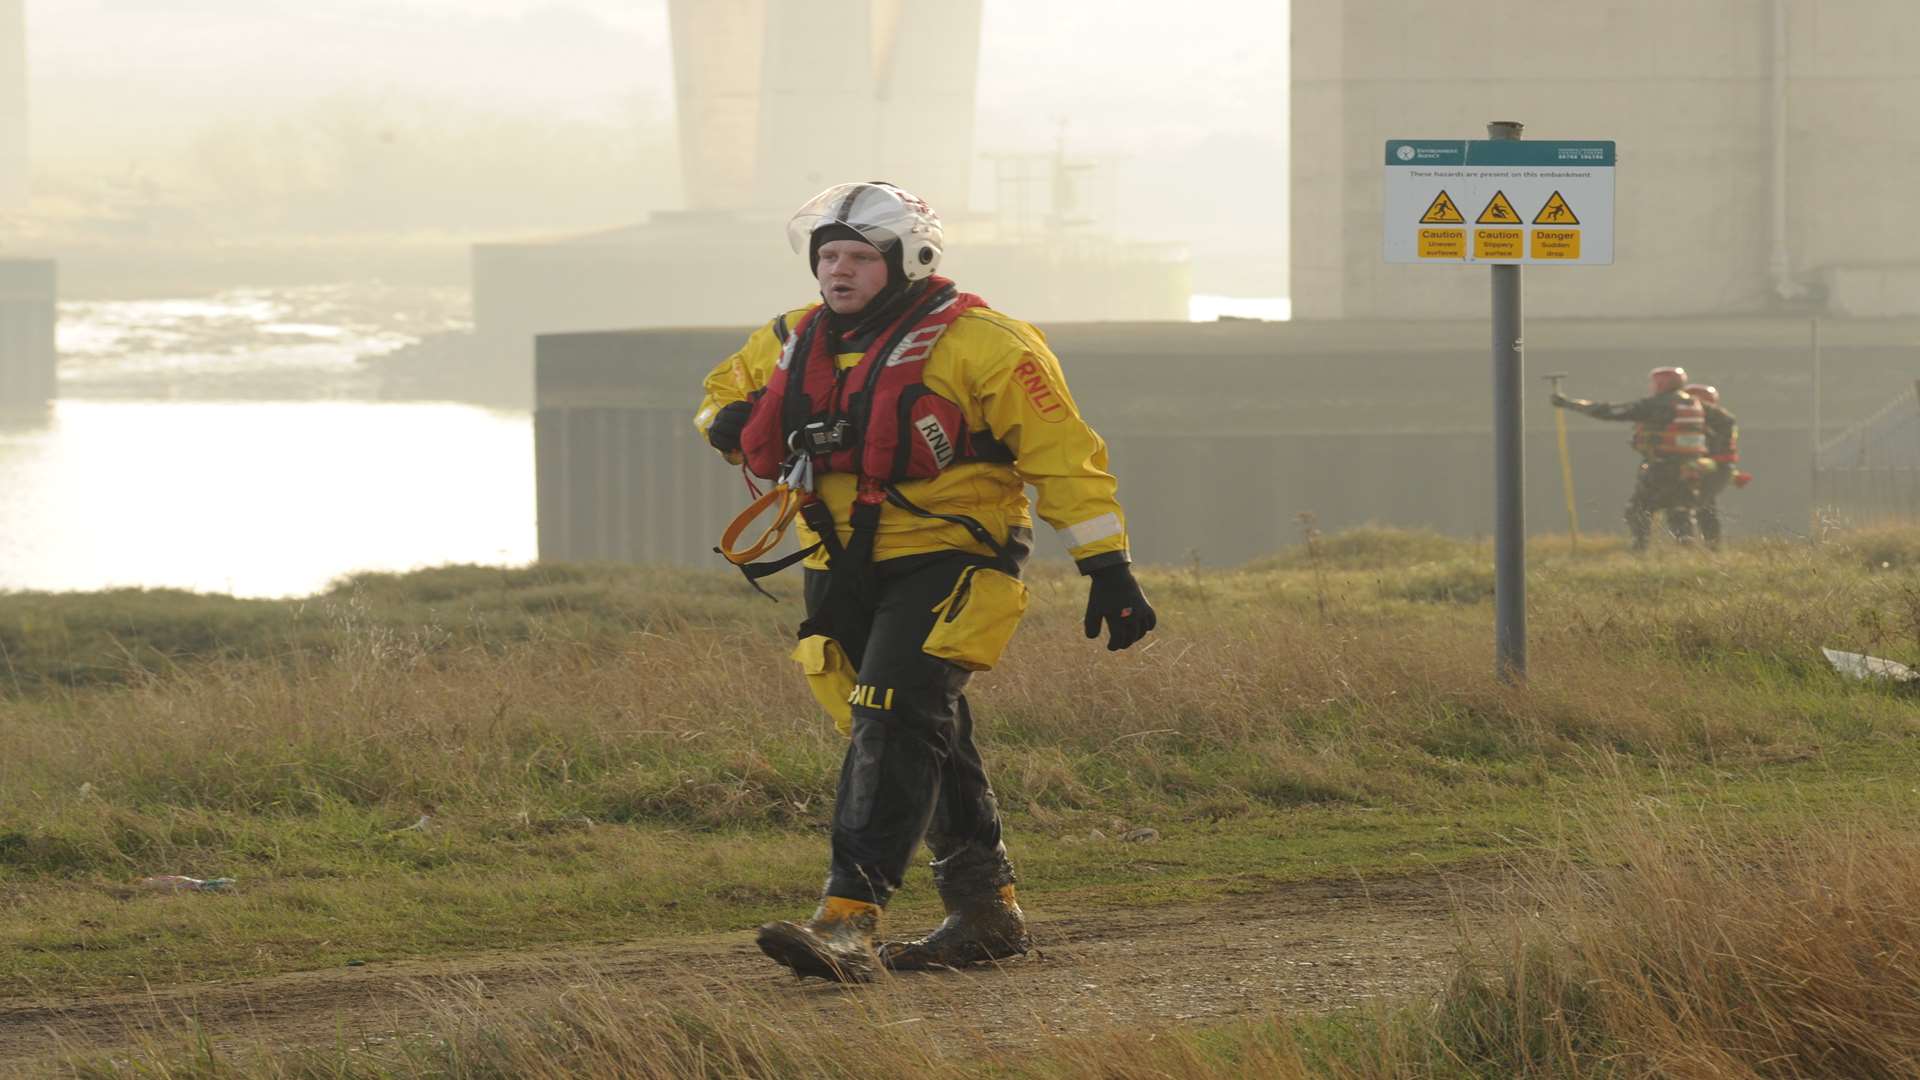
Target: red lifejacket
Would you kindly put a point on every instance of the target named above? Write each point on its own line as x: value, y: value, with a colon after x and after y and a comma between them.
x: 1684, y: 435
x: 892, y: 426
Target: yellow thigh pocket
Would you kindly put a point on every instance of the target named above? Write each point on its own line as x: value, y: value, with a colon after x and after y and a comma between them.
x: 829, y: 676
x: 976, y: 620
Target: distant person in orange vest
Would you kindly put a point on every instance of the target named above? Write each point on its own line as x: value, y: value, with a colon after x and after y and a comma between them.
x: 912, y: 416
x: 1722, y: 467
x: 1670, y: 434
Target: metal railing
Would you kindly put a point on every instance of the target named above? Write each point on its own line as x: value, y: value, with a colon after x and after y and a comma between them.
x: 1871, y: 471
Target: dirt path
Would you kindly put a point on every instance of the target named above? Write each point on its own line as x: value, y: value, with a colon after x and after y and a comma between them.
x: 1311, y: 946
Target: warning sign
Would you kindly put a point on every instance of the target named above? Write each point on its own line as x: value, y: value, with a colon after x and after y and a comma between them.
x: 1498, y: 212
x: 1443, y: 244
x: 1556, y: 212
x: 1499, y: 244
x: 1536, y: 201
x: 1556, y: 243
x: 1442, y: 212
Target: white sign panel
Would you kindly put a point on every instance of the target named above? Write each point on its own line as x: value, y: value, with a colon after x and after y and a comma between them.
x: 1499, y: 201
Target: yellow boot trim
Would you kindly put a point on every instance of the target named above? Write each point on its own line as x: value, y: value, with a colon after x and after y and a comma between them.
x: 841, y: 909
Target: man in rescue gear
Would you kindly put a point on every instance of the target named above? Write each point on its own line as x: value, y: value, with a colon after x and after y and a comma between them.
x: 1669, y: 433
x: 1722, y: 464
x: 912, y: 416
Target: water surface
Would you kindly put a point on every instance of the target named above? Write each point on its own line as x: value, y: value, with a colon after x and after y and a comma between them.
x: 236, y: 444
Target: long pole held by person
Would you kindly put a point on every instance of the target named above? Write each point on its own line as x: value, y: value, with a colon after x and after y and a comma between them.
x: 1509, y: 473
x: 1566, y: 465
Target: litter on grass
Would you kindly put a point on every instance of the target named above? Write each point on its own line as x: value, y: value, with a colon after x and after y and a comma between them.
x: 1863, y: 667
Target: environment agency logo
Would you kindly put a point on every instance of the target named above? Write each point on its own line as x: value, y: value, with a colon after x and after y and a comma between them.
x: 1405, y: 153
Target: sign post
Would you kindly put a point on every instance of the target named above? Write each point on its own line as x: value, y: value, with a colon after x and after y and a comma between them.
x: 1540, y: 202
x: 1509, y: 466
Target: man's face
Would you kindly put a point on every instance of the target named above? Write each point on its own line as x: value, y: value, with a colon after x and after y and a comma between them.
x: 851, y: 274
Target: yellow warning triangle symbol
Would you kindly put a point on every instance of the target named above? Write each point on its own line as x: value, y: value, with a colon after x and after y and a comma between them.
x: 1556, y: 212
x: 1442, y: 212
x: 1498, y: 212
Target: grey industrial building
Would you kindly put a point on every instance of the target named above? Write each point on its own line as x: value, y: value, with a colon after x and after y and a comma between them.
x: 1768, y: 149
x: 750, y: 91
x: 27, y: 285
x: 1767, y: 236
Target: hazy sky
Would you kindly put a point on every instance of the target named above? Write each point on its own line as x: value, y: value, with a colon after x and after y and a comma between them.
x: 1183, y: 97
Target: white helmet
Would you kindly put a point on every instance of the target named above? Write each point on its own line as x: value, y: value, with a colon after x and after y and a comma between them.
x: 886, y: 216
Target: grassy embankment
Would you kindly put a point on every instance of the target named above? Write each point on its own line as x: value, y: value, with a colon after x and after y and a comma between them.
x: 609, y: 753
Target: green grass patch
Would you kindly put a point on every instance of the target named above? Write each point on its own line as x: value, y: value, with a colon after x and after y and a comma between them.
x: 607, y: 753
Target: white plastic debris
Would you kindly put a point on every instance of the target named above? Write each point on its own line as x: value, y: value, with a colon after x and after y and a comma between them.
x: 1863, y: 667
x: 181, y: 883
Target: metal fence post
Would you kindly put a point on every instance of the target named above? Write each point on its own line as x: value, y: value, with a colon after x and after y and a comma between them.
x: 1509, y: 467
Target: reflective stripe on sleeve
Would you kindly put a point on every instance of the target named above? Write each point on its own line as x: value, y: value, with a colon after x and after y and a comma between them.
x: 1093, y: 530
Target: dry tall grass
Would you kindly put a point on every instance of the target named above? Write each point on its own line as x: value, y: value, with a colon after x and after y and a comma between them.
x: 504, y: 705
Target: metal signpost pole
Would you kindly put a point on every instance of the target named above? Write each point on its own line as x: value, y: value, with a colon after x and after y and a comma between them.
x: 1509, y: 513
x: 1547, y: 201
x: 1813, y: 454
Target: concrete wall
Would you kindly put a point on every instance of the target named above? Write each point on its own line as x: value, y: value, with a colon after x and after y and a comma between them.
x: 1686, y: 91
x: 28, y: 316
x: 717, y: 48
x: 1222, y: 433
x: 756, y: 79
x: 14, y: 132
x: 723, y: 270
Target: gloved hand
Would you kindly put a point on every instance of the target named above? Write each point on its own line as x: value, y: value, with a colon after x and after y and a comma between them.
x: 1561, y: 401
x: 724, y: 433
x: 1115, y: 599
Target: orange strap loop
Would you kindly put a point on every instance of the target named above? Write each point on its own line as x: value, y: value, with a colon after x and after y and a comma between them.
x: 788, y: 503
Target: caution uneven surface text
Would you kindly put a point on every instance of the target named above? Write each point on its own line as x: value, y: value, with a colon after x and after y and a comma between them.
x: 1498, y: 212
x: 1443, y: 243
x: 1442, y: 212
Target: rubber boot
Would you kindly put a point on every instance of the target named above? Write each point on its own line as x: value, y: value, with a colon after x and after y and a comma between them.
x: 983, y: 924
x: 837, y: 943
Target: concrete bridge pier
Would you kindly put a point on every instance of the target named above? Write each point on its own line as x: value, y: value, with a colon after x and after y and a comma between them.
x: 28, y: 315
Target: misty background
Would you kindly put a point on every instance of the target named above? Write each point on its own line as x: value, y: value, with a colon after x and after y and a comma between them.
x: 262, y: 218
x: 261, y: 207
x: 436, y: 123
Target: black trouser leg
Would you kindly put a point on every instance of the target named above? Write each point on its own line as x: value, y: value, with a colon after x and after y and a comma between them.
x: 964, y: 835
x: 912, y: 749
x: 1639, y: 509
x: 1659, y: 487
x: 1709, y: 509
x: 1680, y: 523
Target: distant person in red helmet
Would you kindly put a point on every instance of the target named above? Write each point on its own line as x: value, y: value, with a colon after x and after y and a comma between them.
x: 1722, y: 466
x: 1669, y: 434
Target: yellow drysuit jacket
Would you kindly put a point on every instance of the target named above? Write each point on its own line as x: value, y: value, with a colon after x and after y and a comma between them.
x: 1002, y: 375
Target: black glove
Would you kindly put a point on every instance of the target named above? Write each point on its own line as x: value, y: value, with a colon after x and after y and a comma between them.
x: 1115, y: 598
x: 724, y: 433
x: 1561, y: 401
